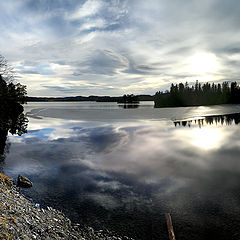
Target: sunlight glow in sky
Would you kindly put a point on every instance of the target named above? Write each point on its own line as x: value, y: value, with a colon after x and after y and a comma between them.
x: 202, y: 64
x: 112, y: 47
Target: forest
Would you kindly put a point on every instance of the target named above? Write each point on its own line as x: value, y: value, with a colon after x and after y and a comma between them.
x: 182, y: 95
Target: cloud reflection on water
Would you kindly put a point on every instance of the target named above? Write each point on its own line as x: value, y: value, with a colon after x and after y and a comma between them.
x: 149, y: 163
x: 147, y: 153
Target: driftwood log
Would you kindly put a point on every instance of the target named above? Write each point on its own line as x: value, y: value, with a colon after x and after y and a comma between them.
x: 170, y: 226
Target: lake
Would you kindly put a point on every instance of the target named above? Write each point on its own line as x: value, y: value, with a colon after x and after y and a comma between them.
x: 123, y: 168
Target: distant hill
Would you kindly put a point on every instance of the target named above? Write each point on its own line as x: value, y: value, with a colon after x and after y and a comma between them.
x: 89, y: 98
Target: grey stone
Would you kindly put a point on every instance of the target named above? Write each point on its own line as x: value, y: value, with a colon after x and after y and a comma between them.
x: 24, y: 182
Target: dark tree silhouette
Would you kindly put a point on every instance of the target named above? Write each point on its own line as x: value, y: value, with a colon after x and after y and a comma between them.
x: 129, y: 98
x: 181, y: 95
x: 12, y: 98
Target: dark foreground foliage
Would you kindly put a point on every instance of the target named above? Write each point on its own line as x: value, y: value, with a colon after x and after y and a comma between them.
x: 181, y: 95
x: 12, y: 98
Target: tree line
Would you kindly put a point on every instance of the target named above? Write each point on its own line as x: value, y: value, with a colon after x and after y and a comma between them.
x: 142, y: 97
x: 181, y: 95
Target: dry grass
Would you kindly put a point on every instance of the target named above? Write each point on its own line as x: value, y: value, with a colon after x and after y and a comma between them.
x: 13, y: 219
x: 5, y: 236
x: 5, y: 179
x: 3, y: 224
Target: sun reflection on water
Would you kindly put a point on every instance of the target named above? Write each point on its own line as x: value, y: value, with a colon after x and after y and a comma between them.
x: 206, y: 138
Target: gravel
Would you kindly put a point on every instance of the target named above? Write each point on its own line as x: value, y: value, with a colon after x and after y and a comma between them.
x: 20, y: 218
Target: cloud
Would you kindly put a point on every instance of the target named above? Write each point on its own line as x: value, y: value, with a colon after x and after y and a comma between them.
x: 105, y: 62
x: 96, y: 24
x: 89, y: 8
x: 114, y: 42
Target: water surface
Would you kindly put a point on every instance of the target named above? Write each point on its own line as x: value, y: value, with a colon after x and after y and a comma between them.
x: 124, y: 168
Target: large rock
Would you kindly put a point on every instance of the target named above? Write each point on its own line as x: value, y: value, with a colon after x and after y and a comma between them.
x: 24, y: 182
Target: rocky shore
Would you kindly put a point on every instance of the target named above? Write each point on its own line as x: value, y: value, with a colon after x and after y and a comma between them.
x: 22, y: 219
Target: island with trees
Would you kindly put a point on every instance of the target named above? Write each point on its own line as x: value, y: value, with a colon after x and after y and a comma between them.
x: 129, y: 98
x: 183, y: 95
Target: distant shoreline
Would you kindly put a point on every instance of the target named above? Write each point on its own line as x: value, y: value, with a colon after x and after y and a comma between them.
x: 87, y: 99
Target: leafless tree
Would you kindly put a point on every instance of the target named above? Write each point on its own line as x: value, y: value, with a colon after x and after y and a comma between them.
x: 6, y: 70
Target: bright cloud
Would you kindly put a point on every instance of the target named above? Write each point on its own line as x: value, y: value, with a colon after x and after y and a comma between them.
x: 89, y: 8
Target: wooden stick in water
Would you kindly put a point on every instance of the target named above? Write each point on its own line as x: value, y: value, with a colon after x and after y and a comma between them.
x: 170, y: 226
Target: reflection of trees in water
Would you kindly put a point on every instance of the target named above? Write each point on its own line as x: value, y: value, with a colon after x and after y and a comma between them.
x: 227, y: 119
x: 18, y: 125
x: 128, y: 106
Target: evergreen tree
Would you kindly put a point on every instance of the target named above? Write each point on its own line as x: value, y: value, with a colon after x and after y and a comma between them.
x: 199, y: 94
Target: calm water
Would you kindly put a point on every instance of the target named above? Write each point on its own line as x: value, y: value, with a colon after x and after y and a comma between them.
x: 124, y: 168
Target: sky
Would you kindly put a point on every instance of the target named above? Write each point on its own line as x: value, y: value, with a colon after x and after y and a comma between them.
x: 115, y: 47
